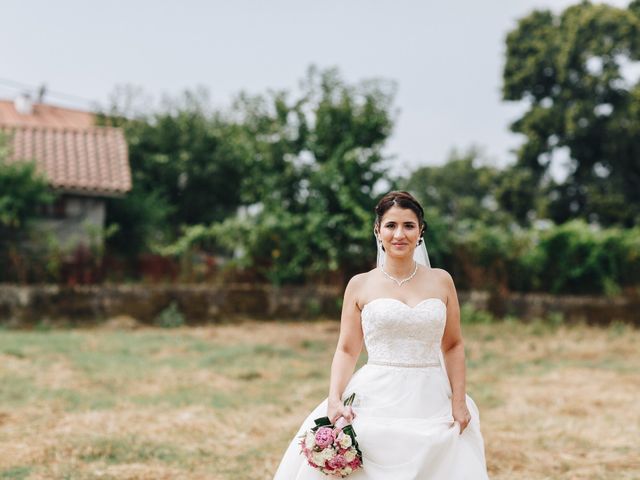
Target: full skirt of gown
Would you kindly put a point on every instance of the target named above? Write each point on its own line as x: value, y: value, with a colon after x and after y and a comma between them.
x: 404, y: 428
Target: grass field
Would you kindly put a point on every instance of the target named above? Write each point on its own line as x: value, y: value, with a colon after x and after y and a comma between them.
x: 223, y: 402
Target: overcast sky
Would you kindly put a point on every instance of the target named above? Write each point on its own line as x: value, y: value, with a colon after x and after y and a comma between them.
x: 446, y: 57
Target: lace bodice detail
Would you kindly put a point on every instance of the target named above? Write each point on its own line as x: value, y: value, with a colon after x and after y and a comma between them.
x: 397, y: 333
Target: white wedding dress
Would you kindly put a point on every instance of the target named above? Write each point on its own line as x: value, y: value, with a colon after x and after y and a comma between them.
x: 403, y: 421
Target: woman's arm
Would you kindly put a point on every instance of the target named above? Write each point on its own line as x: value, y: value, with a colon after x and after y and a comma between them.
x: 347, y: 351
x: 453, y: 352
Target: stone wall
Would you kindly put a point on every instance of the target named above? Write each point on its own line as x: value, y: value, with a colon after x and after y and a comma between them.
x: 31, y: 305
x: 28, y: 305
x: 598, y: 310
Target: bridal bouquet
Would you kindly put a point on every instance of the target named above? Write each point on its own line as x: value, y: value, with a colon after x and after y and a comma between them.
x: 332, y: 448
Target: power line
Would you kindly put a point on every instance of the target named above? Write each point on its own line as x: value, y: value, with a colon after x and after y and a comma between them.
x: 24, y: 86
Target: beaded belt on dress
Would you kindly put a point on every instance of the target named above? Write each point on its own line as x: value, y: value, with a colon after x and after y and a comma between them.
x: 407, y: 365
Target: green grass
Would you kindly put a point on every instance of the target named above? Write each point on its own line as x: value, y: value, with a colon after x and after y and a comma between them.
x: 127, y: 450
x: 15, y: 473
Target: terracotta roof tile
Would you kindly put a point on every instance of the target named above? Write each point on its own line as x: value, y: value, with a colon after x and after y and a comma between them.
x: 77, y: 158
x: 44, y: 115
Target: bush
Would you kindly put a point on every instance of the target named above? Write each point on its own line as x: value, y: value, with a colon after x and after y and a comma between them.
x: 572, y: 258
x: 170, y: 317
x: 469, y: 315
x: 578, y: 258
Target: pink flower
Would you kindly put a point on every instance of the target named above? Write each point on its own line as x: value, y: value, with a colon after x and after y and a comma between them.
x: 337, y: 462
x: 355, y: 463
x: 324, y: 437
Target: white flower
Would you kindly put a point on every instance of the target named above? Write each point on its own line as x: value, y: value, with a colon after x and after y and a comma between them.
x: 317, y: 458
x: 329, y: 453
x: 350, y: 455
x: 310, y: 440
x: 345, y: 440
x: 322, y: 456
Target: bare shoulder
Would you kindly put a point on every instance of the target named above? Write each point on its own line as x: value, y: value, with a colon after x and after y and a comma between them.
x: 356, y: 283
x: 443, y: 277
x: 446, y: 286
x: 357, y: 286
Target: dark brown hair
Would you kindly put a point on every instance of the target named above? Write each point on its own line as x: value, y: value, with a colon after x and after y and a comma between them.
x: 400, y: 199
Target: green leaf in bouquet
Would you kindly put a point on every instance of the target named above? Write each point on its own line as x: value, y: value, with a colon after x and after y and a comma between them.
x: 348, y: 429
x: 349, y: 399
x: 321, y: 422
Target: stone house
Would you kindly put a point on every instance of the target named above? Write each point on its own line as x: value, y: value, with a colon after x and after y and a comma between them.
x: 84, y: 164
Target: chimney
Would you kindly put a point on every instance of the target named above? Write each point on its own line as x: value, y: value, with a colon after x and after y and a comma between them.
x: 23, y: 104
x: 41, y: 93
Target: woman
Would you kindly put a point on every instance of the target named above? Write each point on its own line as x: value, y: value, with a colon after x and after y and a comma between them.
x: 411, y: 414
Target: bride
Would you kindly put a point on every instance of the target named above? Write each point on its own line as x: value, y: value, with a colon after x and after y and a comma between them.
x: 412, y: 416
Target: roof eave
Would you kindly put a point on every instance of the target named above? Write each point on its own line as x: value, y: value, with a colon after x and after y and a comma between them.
x: 90, y: 192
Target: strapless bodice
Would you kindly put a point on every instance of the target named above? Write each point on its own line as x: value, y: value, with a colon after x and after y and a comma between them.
x: 398, y: 334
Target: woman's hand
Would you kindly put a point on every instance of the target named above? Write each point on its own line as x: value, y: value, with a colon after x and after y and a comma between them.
x: 337, y: 409
x: 460, y: 413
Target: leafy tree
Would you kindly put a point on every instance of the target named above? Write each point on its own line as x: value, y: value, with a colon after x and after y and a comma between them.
x: 570, y: 68
x: 139, y: 222
x: 187, y: 168
x: 462, y: 189
x: 312, y: 182
x: 186, y: 158
x: 22, y: 192
x: 518, y: 194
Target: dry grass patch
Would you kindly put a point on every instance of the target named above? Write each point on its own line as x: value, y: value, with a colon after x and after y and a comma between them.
x: 223, y: 402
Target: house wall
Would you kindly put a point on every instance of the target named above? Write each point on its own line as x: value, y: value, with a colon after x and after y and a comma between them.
x: 74, y: 220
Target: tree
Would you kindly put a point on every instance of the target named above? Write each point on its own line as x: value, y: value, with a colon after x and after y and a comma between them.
x: 316, y: 162
x: 22, y: 192
x: 463, y: 188
x: 518, y: 194
x: 570, y: 68
x: 186, y: 157
x: 187, y: 168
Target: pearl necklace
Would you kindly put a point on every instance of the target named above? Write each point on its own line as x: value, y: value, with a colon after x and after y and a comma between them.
x: 404, y: 280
